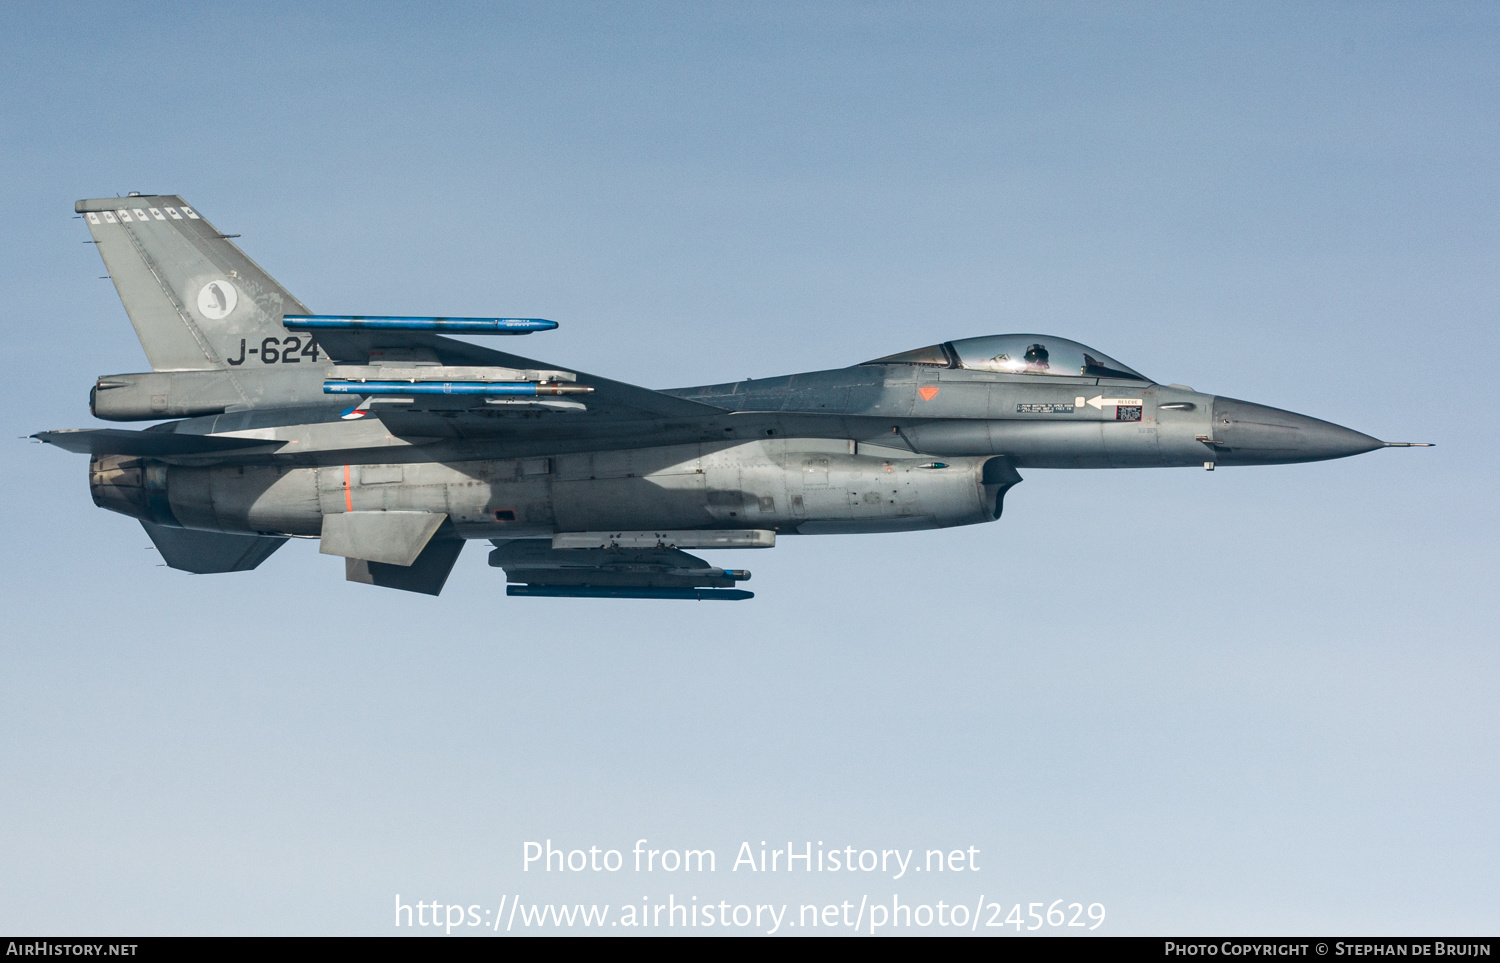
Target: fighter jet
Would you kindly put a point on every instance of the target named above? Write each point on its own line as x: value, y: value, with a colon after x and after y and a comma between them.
x: 393, y: 444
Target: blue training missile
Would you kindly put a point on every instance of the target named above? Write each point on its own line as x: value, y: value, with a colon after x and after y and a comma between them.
x: 487, y: 388
x: 363, y: 322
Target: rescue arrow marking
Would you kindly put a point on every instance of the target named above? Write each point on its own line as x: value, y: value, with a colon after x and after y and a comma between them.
x: 1099, y: 401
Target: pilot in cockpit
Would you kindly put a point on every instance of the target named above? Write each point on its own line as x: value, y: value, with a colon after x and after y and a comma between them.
x: 1018, y: 354
x: 1036, y: 357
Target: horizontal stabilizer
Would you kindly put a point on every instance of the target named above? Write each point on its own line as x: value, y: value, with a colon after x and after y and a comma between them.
x: 426, y: 575
x: 395, y: 538
x: 121, y: 441
x: 208, y: 553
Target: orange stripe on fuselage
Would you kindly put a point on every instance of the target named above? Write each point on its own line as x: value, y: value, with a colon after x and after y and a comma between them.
x: 348, y: 491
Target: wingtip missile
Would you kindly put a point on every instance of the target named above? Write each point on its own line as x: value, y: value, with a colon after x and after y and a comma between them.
x: 370, y: 322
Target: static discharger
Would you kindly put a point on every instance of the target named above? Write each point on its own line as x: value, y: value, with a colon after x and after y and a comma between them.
x: 370, y: 322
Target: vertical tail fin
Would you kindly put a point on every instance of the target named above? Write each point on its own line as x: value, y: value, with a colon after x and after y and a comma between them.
x: 190, y: 293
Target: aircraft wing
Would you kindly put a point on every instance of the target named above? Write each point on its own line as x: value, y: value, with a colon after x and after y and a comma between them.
x: 534, y: 567
x: 609, y: 401
x: 120, y: 441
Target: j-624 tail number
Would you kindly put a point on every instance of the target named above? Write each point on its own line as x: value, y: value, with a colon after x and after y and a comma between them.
x: 288, y: 350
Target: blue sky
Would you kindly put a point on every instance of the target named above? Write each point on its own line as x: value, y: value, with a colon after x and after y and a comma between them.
x: 1253, y: 701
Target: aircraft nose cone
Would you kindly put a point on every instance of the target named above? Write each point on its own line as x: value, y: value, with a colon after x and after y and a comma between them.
x: 1251, y: 434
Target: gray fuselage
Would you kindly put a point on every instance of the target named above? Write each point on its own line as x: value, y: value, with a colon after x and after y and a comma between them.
x: 876, y: 447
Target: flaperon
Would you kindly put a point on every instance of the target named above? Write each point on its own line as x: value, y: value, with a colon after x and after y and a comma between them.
x: 393, y: 444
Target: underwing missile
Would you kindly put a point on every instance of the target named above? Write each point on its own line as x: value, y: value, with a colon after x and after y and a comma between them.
x: 490, y: 388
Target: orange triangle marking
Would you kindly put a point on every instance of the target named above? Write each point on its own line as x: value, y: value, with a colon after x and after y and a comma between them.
x: 928, y: 392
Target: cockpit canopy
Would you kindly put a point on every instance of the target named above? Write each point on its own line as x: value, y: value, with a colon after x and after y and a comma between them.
x: 1021, y: 354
